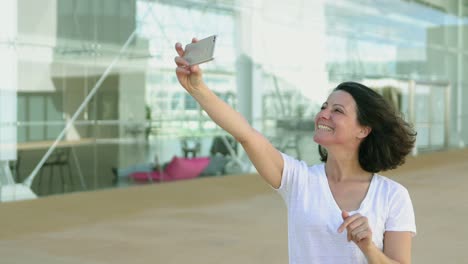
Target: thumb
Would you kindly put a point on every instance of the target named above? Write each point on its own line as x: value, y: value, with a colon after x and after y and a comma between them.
x: 344, y: 214
x: 195, y: 69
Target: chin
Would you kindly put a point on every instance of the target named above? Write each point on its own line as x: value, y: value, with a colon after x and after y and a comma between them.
x: 319, y: 140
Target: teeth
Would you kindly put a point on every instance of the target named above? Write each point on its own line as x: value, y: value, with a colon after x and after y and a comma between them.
x: 327, y: 128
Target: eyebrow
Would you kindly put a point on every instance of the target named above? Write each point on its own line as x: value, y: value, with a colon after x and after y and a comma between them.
x: 326, y: 103
x: 340, y: 105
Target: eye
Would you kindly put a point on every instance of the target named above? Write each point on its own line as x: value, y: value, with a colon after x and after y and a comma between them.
x: 338, y: 110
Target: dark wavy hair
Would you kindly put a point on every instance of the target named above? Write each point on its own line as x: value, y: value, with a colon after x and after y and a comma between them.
x: 391, y: 137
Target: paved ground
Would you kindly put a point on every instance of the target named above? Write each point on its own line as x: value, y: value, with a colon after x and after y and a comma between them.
x: 234, y: 219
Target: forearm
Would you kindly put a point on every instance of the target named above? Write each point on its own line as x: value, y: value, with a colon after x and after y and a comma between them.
x: 222, y: 113
x: 375, y: 256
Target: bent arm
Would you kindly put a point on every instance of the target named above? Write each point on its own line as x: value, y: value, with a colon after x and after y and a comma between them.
x: 264, y: 156
x: 397, y: 249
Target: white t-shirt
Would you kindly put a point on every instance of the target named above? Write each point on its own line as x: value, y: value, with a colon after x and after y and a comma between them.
x: 314, y: 216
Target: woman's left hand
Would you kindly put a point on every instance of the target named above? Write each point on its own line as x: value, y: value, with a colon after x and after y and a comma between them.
x: 358, y: 230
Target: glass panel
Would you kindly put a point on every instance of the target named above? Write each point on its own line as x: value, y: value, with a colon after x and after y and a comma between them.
x: 423, y: 139
x: 437, y: 136
x: 438, y: 105
x: 275, y: 62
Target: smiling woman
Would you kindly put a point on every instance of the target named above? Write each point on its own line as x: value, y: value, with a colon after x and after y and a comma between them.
x: 388, y: 138
x: 359, y: 134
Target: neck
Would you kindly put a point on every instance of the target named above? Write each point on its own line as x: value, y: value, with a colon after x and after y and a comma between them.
x: 345, y: 168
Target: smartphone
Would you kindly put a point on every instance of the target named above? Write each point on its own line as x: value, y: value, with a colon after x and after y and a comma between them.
x: 200, y: 51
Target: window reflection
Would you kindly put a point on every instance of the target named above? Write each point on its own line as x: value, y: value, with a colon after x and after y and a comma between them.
x: 283, y: 65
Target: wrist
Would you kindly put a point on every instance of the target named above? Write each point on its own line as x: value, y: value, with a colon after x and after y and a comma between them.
x: 201, y: 93
x: 369, y: 249
x: 196, y: 84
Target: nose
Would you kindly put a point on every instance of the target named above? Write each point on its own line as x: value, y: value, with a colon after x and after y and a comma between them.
x: 324, y: 113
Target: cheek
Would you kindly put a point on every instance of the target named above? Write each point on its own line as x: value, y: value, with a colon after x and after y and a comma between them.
x: 347, y: 130
x: 317, y: 116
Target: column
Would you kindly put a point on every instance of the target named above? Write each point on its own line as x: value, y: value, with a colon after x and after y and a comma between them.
x: 8, y: 87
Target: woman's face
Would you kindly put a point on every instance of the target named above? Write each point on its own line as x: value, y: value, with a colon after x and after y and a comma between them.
x: 336, y: 123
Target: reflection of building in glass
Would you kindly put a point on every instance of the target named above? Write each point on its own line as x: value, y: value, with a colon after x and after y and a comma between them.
x: 273, y: 62
x: 403, y: 40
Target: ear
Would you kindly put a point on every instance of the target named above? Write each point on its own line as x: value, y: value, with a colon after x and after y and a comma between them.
x: 364, y: 132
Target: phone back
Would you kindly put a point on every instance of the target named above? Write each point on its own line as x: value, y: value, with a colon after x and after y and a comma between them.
x: 201, y: 51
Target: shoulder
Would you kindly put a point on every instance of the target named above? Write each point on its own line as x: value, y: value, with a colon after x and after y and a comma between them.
x: 388, y: 184
x: 391, y: 191
x: 317, y: 169
x: 298, y: 177
x: 399, y: 212
x: 294, y: 164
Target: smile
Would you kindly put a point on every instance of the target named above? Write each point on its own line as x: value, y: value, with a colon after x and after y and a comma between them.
x: 326, y: 128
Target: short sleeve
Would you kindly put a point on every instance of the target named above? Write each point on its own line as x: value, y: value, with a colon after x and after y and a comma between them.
x: 294, y: 172
x: 401, y: 214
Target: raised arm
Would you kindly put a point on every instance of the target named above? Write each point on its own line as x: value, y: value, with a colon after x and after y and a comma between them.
x: 264, y: 156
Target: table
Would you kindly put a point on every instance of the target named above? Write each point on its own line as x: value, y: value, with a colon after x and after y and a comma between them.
x: 38, y: 145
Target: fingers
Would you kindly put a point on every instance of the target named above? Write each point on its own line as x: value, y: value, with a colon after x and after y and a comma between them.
x: 179, y: 49
x: 357, y: 227
x: 357, y: 223
x: 194, y: 68
x: 183, y: 66
x: 348, y: 221
x: 181, y: 62
x: 358, y: 235
x: 354, y: 232
x: 344, y: 214
x: 182, y: 70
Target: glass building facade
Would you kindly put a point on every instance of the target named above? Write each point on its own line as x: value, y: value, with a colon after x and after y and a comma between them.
x: 89, y: 90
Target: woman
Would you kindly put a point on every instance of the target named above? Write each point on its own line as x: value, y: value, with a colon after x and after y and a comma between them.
x: 340, y: 211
